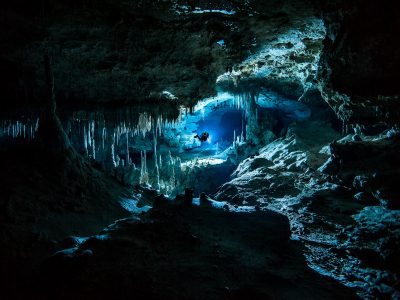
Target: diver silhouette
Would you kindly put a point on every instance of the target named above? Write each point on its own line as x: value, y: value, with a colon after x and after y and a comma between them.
x: 203, y: 137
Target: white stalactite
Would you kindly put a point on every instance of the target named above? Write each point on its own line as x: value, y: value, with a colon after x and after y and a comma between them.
x: 127, y: 149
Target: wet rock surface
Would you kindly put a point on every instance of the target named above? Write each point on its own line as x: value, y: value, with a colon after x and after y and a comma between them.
x: 332, y: 196
x: 128, y: 52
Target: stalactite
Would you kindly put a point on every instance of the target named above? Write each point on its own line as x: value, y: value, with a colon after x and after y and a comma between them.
x: 89, y: 139
x: 178, y: 163
x: 117, y: 160
x: 157, y: 177
x: 145, y: 162
x: 141, y: 166
x: 144, y: 124
x: 85, y: 145
x: 103, y: 137
x: 144, y: 178
x: 93, y: 149
x: 172, y: 179
x: 155, y: 144
x: 127, y: 149
x: 114, y: 164
x: 93, y: 143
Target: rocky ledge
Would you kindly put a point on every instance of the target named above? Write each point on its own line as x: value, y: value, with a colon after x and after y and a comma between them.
x: 340, y: 197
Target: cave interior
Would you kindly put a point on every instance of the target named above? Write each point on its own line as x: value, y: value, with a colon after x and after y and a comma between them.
x: 193, y: 149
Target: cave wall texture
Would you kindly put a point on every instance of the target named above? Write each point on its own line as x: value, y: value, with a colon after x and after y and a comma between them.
x: 358, y: 71
x: 128, y: 51
x: 119, y: 52
x: 115, y: 51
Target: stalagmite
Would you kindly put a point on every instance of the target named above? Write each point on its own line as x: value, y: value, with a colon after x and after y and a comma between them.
x: 117, y: 160
x: 143, y: 168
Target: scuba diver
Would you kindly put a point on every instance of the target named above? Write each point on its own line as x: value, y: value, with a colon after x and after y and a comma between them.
x: 203, y: 137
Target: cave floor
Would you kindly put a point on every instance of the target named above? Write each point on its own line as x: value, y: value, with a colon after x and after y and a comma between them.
x: 188, y: 252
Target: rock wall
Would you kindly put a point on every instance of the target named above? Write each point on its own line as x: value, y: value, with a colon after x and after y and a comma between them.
x: 360, y: 61
x: 120, y: 52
